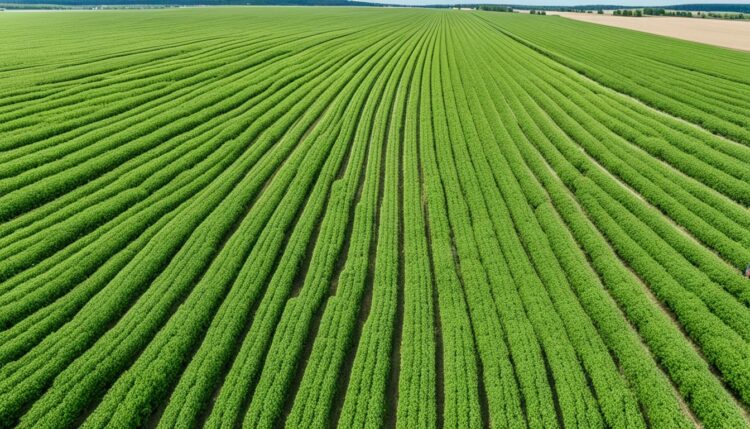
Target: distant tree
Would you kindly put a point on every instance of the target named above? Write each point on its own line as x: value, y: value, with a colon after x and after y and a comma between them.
x: 600, y: 12
x: 638, y: 12
x: 494, y: 8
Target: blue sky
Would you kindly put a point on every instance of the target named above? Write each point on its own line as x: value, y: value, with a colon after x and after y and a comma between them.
x: 563, y: 2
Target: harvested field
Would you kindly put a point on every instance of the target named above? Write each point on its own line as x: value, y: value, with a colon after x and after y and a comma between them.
x: 718, y: 32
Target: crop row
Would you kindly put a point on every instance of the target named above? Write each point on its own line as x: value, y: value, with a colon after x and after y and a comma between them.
x: 370, y: 217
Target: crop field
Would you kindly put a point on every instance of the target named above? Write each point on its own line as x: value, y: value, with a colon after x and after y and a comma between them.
x: 354, y: 217
x: 734, y: 34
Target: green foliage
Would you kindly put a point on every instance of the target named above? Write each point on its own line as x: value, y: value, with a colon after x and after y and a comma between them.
x: 495, y: 8
x: 413, y: 218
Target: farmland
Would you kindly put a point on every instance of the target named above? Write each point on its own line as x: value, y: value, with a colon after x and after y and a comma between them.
x: 734, y: 34
x: 356, y: 217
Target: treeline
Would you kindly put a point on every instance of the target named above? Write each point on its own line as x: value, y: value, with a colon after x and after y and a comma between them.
x: 13, y: 6
x: 495, y: 8
x: 628, y: 12
x: 498, y: 8
x: 722, y: 15
x: 736, y: 8
x: 663, y: 12
x: 687, y: 14
x: 35, y: 4
x: 737, y: 11
x: 44, y: 6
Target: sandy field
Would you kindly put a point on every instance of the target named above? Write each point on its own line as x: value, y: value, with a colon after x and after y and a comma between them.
x: 729, y: 34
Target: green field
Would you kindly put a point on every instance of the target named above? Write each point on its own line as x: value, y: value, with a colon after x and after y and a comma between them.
x: 352, y: 217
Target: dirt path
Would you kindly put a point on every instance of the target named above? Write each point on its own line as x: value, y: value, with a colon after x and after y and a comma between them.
x: 726, y: 33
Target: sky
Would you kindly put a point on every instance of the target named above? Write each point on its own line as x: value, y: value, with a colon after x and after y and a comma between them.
x: 564, y: 2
